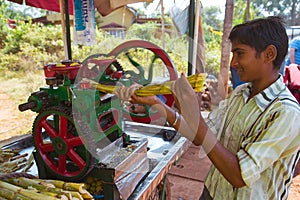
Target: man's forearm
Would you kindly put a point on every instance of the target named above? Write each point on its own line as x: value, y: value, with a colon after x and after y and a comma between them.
x: 292, y: 55
x: 223, y: 159
x: 227, y: 163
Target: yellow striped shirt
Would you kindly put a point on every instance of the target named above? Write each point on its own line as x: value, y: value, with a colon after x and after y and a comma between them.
x: 265, y: 135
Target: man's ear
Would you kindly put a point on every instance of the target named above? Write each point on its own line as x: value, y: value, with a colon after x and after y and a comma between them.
x: 270, y: 53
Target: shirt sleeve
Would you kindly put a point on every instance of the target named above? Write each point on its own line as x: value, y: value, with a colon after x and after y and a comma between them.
x: 216, y: 117
x: 277, y: 136
x: 295, y: 44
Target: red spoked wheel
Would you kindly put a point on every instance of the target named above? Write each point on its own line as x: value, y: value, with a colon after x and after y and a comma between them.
x: 59, y: 145
x: 145, y: 63
x: 96, y: 66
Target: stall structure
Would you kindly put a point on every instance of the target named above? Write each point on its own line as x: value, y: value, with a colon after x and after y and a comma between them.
x: 81, y: 130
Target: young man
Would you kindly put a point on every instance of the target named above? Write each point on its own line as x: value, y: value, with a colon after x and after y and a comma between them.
x: 253, y: 137
x: 292, y: 68
x: 294, y: 54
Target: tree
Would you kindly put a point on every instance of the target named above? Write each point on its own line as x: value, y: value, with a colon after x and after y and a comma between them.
x: 289, y: 9
x: 225, y: 52
x: 241, y: 8
x: 210, y: 17
x: 247, y: 12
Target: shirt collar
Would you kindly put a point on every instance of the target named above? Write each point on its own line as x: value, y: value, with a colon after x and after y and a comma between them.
x: 264, y: 98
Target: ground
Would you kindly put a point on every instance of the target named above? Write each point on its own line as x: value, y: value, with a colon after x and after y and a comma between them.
x: 295, y: 189
x: 13, y: 122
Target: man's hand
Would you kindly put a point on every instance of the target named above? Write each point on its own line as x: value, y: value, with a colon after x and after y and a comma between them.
x: 125, y: 93
x: 188, y: 104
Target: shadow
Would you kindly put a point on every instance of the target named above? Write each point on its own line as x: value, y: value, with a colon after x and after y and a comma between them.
x: 297, y: 169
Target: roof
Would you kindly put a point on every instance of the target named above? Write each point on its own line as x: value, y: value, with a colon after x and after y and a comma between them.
x: 293, y: 31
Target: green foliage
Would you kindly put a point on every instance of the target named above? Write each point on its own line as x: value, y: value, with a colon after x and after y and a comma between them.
x: 177, y: 50
x: 42, y: 38
x: 30, y: 46
x: 7, y: 35
x: 280, y: 7
x: 3, y: 22
x: 213, y: 41
x: 210, y: 17
x: 14, y: 36
x: 142, y: 31
x: 8, y: 60
x: 240, y: 12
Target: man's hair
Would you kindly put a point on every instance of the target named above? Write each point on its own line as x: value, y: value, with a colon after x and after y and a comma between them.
x: 260, y: 33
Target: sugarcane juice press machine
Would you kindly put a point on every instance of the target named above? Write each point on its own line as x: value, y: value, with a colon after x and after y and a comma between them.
x: 79, y: 131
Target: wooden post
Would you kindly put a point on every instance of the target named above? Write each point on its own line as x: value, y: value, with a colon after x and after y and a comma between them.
x: 201, y: 60
x: 65, y: 24
x: 162, y: 23
x: 195, y: 40
x: 191, y: 35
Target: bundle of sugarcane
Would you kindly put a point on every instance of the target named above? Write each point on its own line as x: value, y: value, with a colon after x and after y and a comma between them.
x: 25, y: 188
x: 6, y: 154
x: 195, y: 80
x: 12, y: 161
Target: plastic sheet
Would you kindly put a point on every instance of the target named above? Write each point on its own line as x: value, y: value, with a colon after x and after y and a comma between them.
x: 85, y: 25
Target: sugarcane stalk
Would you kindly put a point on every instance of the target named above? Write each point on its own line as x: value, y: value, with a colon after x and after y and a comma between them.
x: 36, y: 183
x: 27, y: 193
x: 11, y: 166
x: 195, y: 80
x: 8, y: 194
x: 17, y: 167
x: 60, y: 196
x: 9, y: 151
x: 29, y: 163
x: 74, y: 189
x: 6, y: 154
x: 66, y: 185
x: 87, y: 195
x: 77, y: 195
x: 18, y: 156
x: 26, y: 182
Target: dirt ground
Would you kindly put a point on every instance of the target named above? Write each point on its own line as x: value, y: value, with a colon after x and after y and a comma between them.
x: 13, y: 122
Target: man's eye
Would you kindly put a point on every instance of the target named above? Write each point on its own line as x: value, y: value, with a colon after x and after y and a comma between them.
x: 239, y: 53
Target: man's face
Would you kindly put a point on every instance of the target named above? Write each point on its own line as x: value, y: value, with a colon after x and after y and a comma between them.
x: 249, y: 65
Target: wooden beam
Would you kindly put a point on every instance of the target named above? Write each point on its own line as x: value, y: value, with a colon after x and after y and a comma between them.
x: 103, y: 7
